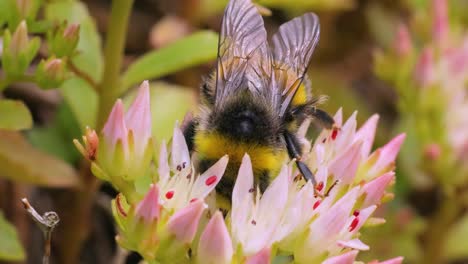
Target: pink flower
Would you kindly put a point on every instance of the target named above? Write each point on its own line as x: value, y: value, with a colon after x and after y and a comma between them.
x: 149, y: 208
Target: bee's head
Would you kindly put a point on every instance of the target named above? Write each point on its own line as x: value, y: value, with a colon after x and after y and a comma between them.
x: 244, y: 118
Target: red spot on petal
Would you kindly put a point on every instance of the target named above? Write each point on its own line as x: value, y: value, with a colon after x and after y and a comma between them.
x: 170, y: 194
x: 324, y: 140
x: 334, y: 133
x: 211, y: 180
x: 120, y: 208
x: 319, y: 186
x: 356, y: 213
x: 316, y: 204
x: 354, y: 224
x: 254, y: 222
x: 193, y: 200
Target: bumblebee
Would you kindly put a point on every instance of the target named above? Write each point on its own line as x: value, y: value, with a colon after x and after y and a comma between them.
x: 256, y: 97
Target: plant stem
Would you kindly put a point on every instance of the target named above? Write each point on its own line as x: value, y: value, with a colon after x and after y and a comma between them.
x: 436, y: 232
x: 77, y: 206
x: 113, y: 56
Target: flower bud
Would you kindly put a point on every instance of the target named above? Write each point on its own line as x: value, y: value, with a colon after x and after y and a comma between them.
x: 184, y: 223
x: 27, y: 9
x: 441, y: 22
x: 215, y: 245
x: 18, y: 51
x: 125, y: 145
x: 424, y: 73
x: 432, y: 151
x: 91, y: 143
x: 139, y: 225
x: 402, y: 43
x: 50, y: 73
x: 63, y: 41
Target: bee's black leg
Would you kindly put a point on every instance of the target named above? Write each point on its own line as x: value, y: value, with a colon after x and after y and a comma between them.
x: 189, y: 126
x: 322, y: 118
x: 294, y: 151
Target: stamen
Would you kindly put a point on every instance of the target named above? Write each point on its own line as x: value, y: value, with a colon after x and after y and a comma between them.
x: 354, y: 224
x: 211, y: 180
x: 319, y: 186
x: 251, y: 190
x: 254, y: 222
x: 170, y: 194
x: 356, y: 213
x: 316, y: 204
x: 179, y: 168
x: 183, y: 165
x: 334, y: 133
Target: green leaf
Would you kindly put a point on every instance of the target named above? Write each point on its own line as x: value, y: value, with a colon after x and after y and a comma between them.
x: 456, y: 247
x: 83, y: 101
x: 11, y: 248
x: 14, y: 115
x: 20, y: 161
x: 56, y: 138
x: 169, y: 103
x: 89, y: 59
x: 200, y: 47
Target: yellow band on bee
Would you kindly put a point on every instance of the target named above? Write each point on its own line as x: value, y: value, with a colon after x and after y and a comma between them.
x: 214, y: 145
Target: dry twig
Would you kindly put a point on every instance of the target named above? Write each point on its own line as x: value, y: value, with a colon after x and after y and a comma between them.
x: 47, y: 222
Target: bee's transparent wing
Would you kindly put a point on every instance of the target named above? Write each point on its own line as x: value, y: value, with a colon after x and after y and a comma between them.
x: 293, y: 46
x: 242, y: 33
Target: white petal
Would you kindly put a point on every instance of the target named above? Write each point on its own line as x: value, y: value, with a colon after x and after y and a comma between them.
x: 353, y: 244
x: 206, y: 182
x: 163, y: 165
x: 180, y: 156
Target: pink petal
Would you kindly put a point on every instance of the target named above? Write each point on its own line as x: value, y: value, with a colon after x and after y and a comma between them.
x: 353, y: 244
x: 424, y: 69
x: 338, y: 117
x: 184, y: 223
x: 346, y: 258
x: 374, y: 189
x: 441, y: 22
x: 330, y: 222
x: 367, y: 133
x: 344, y: 166
x: 397, y: 260
x: 262, y: 257
x: 138, y: 118
x: 364, y: 214
x: 389, y: 152
x: 115, y: 128
x: 347, y: 132
x: 206, y: 182
x: 215, y: 246
x: 180, y: 156
x: 149, y: 208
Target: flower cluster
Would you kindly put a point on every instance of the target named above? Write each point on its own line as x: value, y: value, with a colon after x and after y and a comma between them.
x: 431, y: 81
x: 174, y: 220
